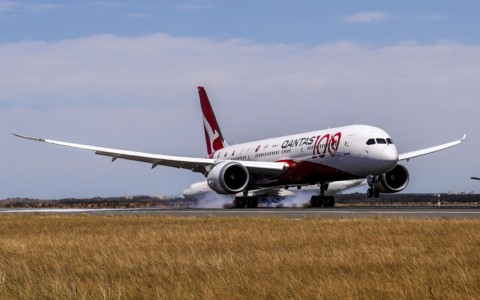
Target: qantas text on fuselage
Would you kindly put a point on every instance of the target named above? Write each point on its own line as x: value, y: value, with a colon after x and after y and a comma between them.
x: 318, y: 145
x: 317, y: 157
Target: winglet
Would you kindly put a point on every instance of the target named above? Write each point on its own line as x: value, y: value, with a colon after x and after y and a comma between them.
x: 29, y: 137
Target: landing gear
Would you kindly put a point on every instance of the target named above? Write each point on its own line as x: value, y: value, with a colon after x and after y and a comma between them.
x: 242, y: 202
x: 245, y: 201
x: 372, y: 191
x: 322, y: 200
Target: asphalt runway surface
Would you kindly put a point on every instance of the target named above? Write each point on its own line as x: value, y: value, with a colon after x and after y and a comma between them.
x: 291, y: 213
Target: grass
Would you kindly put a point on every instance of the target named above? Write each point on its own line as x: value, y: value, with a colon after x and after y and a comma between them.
x: 124, y: 257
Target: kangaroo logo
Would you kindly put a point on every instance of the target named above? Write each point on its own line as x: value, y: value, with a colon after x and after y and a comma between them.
x: 211, y: 136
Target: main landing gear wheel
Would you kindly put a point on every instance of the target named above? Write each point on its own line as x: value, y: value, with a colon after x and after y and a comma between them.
x: 322, y: 201
x: 242, y: 202
x: 373, y: 193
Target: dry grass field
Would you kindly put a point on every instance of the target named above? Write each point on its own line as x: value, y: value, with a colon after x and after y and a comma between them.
x: 125, y: 257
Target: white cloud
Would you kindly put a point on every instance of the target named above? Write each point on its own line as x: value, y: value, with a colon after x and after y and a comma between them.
x: 107, y: 4
x: 7, y: 5
x: 195, y: 6
x: 431, y: 17
x: 366, y: 17
x: 41, y: 7
x: 140, y: 94
x: 138, y: 16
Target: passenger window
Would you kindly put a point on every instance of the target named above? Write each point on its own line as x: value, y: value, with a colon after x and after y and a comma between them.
x: 381, y: 141
x: 371, y: 142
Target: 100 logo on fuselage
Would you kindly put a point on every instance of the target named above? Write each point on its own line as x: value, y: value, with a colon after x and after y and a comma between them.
x: 322, y: 144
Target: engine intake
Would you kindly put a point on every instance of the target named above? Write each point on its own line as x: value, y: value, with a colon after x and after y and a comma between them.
x: 393, y: 181
x: 228, y: 178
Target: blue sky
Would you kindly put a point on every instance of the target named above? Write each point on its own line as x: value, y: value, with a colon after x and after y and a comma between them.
x: 123, y: 74
x: 308, y: 22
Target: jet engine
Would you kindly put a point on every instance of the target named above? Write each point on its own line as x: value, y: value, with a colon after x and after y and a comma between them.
x: 393, y: 181
x: 228, y: 178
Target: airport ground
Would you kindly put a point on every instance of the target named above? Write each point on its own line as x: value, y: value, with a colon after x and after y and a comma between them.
x: 348, y: 205
x: 137, y: 256
x: 343, y: 200
x: 419, y: 212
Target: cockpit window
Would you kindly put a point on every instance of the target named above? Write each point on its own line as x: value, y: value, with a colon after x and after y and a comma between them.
x: 381, y: 141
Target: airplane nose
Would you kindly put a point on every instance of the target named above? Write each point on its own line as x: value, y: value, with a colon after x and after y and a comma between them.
x: 389, y: 157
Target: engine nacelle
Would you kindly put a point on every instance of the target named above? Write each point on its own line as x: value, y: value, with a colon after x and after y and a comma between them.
x: 228, y: 178
x: 393, y: 181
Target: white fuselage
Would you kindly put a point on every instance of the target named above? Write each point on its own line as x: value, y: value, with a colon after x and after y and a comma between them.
x: 340, y: 153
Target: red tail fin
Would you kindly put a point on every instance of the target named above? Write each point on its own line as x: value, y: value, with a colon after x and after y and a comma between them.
x: 213, y: 135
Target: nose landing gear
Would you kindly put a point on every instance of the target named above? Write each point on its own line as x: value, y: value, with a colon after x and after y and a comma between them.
x: 372, y: 191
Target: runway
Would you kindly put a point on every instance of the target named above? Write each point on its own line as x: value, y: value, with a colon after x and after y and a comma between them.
x: 290, y: 213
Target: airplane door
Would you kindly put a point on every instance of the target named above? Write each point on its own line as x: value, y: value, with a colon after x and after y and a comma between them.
x: 250, y: 154
x: 347, y: 144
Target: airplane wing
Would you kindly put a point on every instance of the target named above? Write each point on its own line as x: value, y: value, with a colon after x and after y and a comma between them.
x: 201, y: 165
x: 408, y: 155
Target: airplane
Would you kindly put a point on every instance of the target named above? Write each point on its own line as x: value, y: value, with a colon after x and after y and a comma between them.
x: 202, y: 189
x: 309, y: 158
x: 475, y: 178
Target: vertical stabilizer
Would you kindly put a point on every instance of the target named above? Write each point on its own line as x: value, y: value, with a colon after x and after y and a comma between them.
x: 213, y: 135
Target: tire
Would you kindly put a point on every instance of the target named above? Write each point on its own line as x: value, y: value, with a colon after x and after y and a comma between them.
x: 252, y: 202
x: 236, y: 202
x: 330, y: 201
x: 242, y: 202
x: 369, y: 193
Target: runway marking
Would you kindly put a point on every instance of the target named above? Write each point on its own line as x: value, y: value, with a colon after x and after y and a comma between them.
x: 292, y: 213
x: 405, y: 212
x: 52, y: 210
